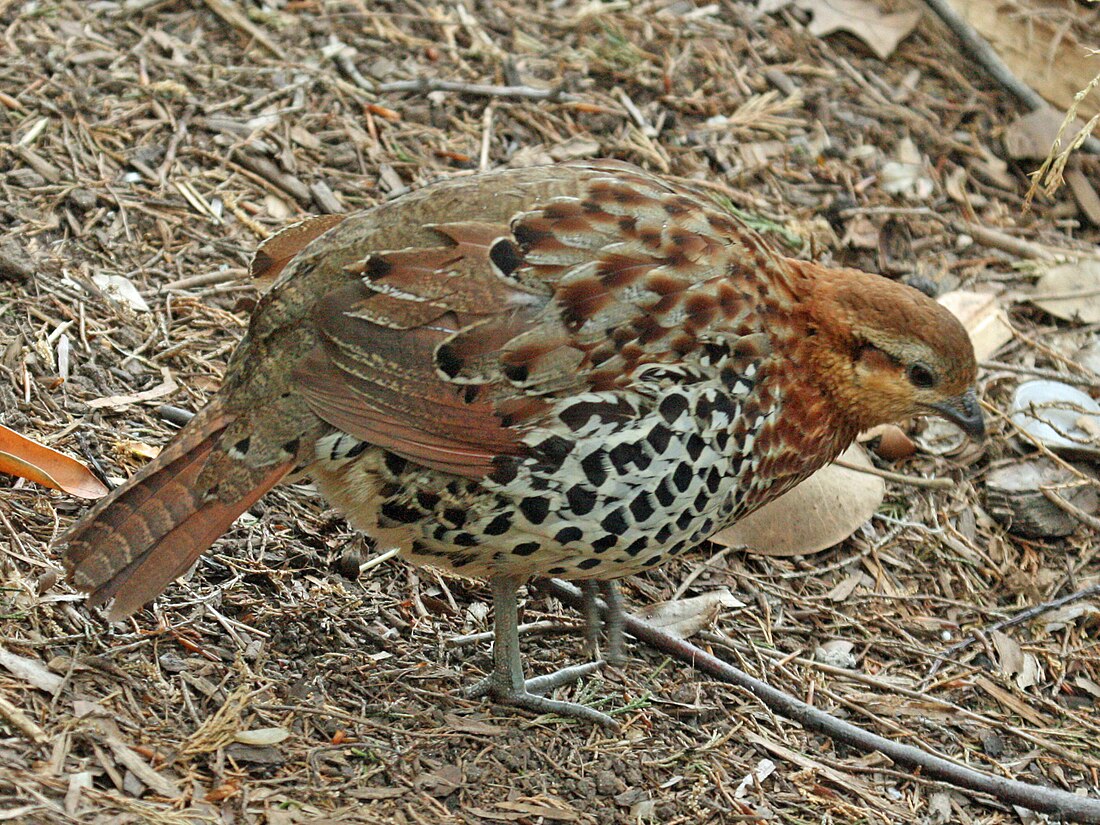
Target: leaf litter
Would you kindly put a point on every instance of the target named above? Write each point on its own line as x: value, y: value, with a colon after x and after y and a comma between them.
x: 159, y: 142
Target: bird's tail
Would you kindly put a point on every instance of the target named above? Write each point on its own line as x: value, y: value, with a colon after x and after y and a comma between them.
x: 151, y: 529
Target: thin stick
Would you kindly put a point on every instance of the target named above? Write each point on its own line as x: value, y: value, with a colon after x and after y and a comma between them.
x: 1070, y: 508
x: 1035, y: 797
x: 1022, y: 616
x: 900, y: 478
x: 1039, y: 372
x: 424, y: 85
x: 236, y: 18
x: 377, y: 560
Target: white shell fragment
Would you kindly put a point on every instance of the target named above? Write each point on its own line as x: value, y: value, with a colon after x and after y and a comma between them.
x: 1060, y: 416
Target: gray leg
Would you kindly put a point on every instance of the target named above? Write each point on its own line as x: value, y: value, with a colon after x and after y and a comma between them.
x: 613, y: 619
x: 593, y: 621
x: 506, y: 684
x: 606, y: 615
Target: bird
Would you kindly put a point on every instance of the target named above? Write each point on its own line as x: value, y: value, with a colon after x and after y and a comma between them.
x: 580, y: 370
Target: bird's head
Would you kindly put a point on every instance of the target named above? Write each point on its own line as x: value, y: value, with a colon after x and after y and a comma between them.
x: 886, y: 351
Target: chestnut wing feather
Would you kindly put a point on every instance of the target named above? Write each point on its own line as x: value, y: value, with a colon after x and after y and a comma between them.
x: 447, y: 355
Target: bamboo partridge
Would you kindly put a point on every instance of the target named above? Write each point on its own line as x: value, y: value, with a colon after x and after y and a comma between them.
x: 579, y: 370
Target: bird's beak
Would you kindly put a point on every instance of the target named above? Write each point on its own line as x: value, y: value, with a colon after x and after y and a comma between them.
x: 964, y: 412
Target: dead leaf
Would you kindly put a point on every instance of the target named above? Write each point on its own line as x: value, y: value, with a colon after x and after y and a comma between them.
x: 1039, y: 49
x: 893, y: 444
x: 261, y: 736
x: 820, y: 512
x: 44, y: 465
x: 1088, y: 686
x: 1088, y: 200
x: 847, y: 586
x: 553, y: 809
x: 905, y: 175
x: 982, y: 316
x: 576, y: 147
x: 1010, y: 702
x: 684, y: 618
x: 1014, y: 662
x: 881, y: 32
x: 1071, y: 292
x: 1030, y: 137
x: 442, y: 782
x: 465, y: 724
x: 77, y: 783
x: 1062, y: 617
x: 939, y: 808
x: 837, y: 653
x: 121, y: 290
x: 31, y: 671
x: 861, y: 233
x: 764, y: 768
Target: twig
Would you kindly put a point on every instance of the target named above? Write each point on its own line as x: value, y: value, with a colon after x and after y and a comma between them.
x: 1035, y: 797
x: 424, y: 85
x: 997, y: 68
x: 900, y: 478
x: 238, y: 20
x: 1070, y: 508
x: 379, y: 559
x: 1011, y: 621
x: 921, y: 695
x: 22, y: 722
x: 1005, y: 242
x: 1039, y: 372
x: 542, y: 628
x: 206, y: 279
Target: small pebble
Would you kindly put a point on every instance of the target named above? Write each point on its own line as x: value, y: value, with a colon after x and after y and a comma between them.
x: 82, y: 199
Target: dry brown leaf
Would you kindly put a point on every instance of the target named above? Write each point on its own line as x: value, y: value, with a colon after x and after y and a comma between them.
x: 32, y: 671
x: 465, y: 724
x: 1010, y: 702
x: 1031, y: 136
x: 1014, y: 662
x: 1088, y: 200
x: 440, y: 783
x: 1071, y: 292
x: 1063, y: 617
x: 1038, y: 48
x: 982, y: 316
x: 764, y: 768
x: 820, y: 512
x: 684, y: 618
x: 547, y: 808
x: 847, y: 586
x: 36, y: 462
x: 880, y: 31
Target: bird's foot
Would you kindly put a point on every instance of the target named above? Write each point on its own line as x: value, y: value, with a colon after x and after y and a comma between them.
x: 528, y: 695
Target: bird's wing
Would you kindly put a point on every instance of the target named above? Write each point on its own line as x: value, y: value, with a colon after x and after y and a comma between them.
x: 446, y: 354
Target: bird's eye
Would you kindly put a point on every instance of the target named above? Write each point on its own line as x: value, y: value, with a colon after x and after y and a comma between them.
x: 922, y: 377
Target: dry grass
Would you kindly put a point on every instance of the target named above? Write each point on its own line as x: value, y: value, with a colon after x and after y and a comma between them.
x: 158, y: 142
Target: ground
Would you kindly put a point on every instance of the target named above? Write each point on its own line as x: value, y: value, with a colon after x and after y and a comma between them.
x: 159, y: 141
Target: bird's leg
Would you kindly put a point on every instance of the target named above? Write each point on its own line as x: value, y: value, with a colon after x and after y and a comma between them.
x: 593, y: 620
x: 613, y: 620
x: 608, y: 616
x: 506, y: 684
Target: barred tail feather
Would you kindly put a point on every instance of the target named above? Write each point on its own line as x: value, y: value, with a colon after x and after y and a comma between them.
x: 149, y: 531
